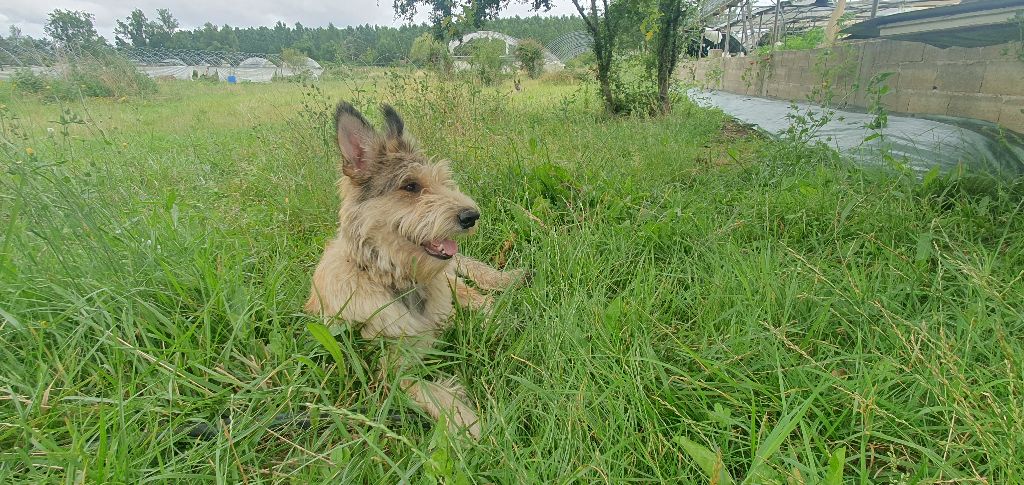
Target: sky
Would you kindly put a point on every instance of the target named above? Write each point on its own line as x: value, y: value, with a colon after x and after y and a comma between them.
x: 30, y: 15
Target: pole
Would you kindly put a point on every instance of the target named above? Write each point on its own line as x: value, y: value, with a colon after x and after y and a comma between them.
x: 728, y: 31
x: 832, y: 29
x: 775, y: 28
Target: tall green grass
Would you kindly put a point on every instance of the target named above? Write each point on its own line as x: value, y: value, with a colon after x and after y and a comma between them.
x: 705, y: 301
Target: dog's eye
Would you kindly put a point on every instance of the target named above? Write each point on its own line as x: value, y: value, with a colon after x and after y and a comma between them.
x: 412, y: 187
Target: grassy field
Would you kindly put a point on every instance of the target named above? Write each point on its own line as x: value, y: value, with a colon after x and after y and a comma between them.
x: 705, y: 300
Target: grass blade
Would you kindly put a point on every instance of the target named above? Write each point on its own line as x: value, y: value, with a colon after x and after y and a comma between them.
x: 707, y: 460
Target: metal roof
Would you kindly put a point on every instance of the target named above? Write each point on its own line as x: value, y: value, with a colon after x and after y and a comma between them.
x: 969, y: 24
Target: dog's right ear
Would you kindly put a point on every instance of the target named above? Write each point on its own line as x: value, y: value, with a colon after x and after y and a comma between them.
x: 355, y: 137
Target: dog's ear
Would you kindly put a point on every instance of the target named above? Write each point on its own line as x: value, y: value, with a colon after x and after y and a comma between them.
x: 355, y: 138
x: 394, y: 123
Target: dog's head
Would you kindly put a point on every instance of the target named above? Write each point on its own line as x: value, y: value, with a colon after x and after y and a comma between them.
x: 396, y: 196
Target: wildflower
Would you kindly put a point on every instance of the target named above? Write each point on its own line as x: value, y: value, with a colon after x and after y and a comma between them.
x: 124, y: 145
x: 29, y: 151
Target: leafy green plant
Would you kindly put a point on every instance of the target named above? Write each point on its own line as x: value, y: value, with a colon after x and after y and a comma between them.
x: 101, y: 73
x: 427, y: 52
x: 634, y: 87
x: 530, y: 56
x: 487, y: 59
x: 809, y: 39
x: 27, y: 81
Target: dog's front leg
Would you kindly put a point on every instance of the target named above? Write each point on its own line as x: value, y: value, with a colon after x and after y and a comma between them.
x: 485, y: 276
x: 436, y: 398
x: 446, y: 399
x: 467, y: 296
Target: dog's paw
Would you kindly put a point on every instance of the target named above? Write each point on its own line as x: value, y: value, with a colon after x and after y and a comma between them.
x: 517, y: 277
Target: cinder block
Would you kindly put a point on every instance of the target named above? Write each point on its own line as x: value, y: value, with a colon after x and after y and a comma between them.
x: 1011, y: 114
x: 796, y: 59
x: 898, y: 51
x: 1004, y: 77
x: 844, y: 57
x: 999, y: 52
x: 956, y: 77
x: 978, y: 106
x: 897, y: 102
x: 932, y: 53
x: 928, y: 102
x: 918, y: 76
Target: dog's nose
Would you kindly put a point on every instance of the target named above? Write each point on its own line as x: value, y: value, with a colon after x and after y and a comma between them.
x: 468, y: 217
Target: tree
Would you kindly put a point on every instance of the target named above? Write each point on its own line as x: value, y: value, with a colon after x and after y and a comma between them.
x: 72, y: 29
x: 603, y: 24
x: 168, y: 23
x: 133, y: 31
x: 530, y: 55
x: 450, y: 17
x: 138, y: 31
x: 668, y: 27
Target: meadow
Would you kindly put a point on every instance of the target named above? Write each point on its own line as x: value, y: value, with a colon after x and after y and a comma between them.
x: 708, y: 304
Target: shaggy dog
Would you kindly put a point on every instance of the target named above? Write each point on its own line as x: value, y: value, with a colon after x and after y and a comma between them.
x: 394, y: 267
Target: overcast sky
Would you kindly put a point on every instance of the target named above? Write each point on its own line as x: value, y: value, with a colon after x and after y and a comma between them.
x: 30, y: 15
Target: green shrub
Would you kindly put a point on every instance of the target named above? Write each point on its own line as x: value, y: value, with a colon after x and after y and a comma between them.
x: 487, y: 59
x: 634, y: 87
x: 99, y: 73
x: 29, y: 82
x: 427, y: 52
x: 530, y: 56
x: 806, y: 40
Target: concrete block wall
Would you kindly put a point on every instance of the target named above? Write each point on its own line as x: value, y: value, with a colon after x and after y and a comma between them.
x: 985, y: 83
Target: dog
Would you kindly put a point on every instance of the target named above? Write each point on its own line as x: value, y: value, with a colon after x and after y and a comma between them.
x: 393, y: 267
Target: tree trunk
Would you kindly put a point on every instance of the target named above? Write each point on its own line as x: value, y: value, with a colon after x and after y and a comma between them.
x: 667, y: 50
x: 602, y: 27
x: 833, y: 23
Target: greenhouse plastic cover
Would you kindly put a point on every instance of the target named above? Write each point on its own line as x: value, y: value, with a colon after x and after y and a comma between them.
x: 943, y: 142
x: 251, y: 74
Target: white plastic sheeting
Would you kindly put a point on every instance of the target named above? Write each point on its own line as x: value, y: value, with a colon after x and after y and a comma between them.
x: 242, y: 74
x: 923, y: 143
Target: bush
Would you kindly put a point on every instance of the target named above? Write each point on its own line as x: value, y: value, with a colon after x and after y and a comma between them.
x: 806, y: 40
x: 583, y: 67
x: 634, y: 87
x: 487, y: 60
x: 427, y: 52
x: 100, y: 73
x: 25, y: 80
x: 530, y: 56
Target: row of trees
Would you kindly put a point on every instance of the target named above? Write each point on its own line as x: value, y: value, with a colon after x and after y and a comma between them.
x: 364, y: 44
x: 652, y: 29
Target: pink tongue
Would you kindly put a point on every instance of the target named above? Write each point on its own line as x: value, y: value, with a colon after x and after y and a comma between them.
x: 448, y: 246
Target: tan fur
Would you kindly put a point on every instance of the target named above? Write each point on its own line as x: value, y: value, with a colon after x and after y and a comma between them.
x: 376, y: 274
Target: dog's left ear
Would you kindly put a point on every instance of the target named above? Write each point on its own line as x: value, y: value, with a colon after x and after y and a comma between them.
x: 395, y: 127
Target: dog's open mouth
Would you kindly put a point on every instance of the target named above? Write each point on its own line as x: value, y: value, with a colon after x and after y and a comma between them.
x: 441, y: 249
